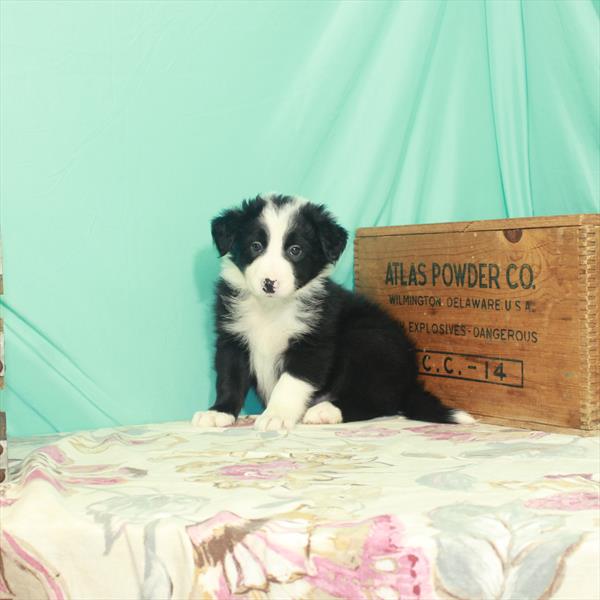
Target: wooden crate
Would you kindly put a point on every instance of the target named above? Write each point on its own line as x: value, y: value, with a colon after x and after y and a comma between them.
x: 504, y: 313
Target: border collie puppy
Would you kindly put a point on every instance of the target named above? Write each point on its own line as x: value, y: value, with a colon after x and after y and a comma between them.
x: 314, y: 351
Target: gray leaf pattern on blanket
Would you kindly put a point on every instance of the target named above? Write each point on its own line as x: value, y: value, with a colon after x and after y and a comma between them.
x: 157, y: 584
x: 537, y: 450
x: 499, y: 552
x: 451, y: 479
x: 116, y: 512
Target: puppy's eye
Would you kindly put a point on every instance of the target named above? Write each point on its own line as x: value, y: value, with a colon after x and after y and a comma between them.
x: 295, y: 251
x: 256, y: 247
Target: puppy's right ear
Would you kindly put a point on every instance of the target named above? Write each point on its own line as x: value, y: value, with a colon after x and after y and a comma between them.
x: 223, y: 230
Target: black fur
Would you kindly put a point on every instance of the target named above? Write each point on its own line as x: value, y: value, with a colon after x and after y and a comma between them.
x: 232, y: 228
x: 232, y: 361
x: 356, y: 355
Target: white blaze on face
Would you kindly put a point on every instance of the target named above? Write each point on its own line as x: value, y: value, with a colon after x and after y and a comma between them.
x: 271, y: 264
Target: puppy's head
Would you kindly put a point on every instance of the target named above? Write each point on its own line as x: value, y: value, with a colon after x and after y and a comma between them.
x: 277, y: 244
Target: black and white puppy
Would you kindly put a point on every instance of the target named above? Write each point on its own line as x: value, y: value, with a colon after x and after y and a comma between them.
x: 314, y: 351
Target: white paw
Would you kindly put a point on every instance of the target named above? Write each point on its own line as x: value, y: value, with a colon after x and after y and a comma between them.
x: 274, y: 422
x: 212, y: 418
x: 324, y: 412
x: 462, y: 417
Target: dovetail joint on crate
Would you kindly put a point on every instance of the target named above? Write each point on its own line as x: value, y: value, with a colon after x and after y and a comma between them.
x: 589, y: 241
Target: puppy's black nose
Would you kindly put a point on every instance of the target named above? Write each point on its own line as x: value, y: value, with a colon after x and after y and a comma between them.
x: 269, y: 286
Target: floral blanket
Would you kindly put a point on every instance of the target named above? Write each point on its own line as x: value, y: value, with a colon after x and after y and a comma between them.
x: 382, y: 509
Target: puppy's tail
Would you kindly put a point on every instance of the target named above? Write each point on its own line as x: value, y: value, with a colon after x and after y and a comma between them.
x: 424, y: 406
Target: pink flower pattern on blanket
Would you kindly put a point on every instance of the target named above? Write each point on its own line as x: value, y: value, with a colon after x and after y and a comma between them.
x: 467, y: 433
x: 50, y: 464
x: 42, y: 580
x: 385, y: 565
x: 235, y: 557
x: 55, y: 453
x: 367, y: 432
x: 268, y: 470
x: 567, y: 501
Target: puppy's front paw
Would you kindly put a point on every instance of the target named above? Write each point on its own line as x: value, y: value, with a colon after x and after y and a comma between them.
x: 212, y: 418
x: 274, y: 422
x: 322, y: 413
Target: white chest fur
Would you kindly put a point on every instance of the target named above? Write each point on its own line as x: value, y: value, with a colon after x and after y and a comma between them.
x: 266, y: 325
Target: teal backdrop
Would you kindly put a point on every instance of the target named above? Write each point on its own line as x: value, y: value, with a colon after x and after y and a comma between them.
x: 125, y: 126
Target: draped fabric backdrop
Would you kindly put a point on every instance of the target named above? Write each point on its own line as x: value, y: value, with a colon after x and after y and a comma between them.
x: 125, y: 126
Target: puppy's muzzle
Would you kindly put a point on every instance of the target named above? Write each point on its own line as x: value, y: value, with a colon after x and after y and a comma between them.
x: 270, y: 286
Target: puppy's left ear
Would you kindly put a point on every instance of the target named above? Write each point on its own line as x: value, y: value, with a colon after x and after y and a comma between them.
x: 223, y: 230
x: 333, y: 237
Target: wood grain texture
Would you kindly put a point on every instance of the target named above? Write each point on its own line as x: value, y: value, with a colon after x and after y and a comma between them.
x: 506, y: 323
x: 491, y: 225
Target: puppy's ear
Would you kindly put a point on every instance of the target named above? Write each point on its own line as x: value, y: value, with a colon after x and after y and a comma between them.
x: 333, y: 237
x: 223, y: 230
